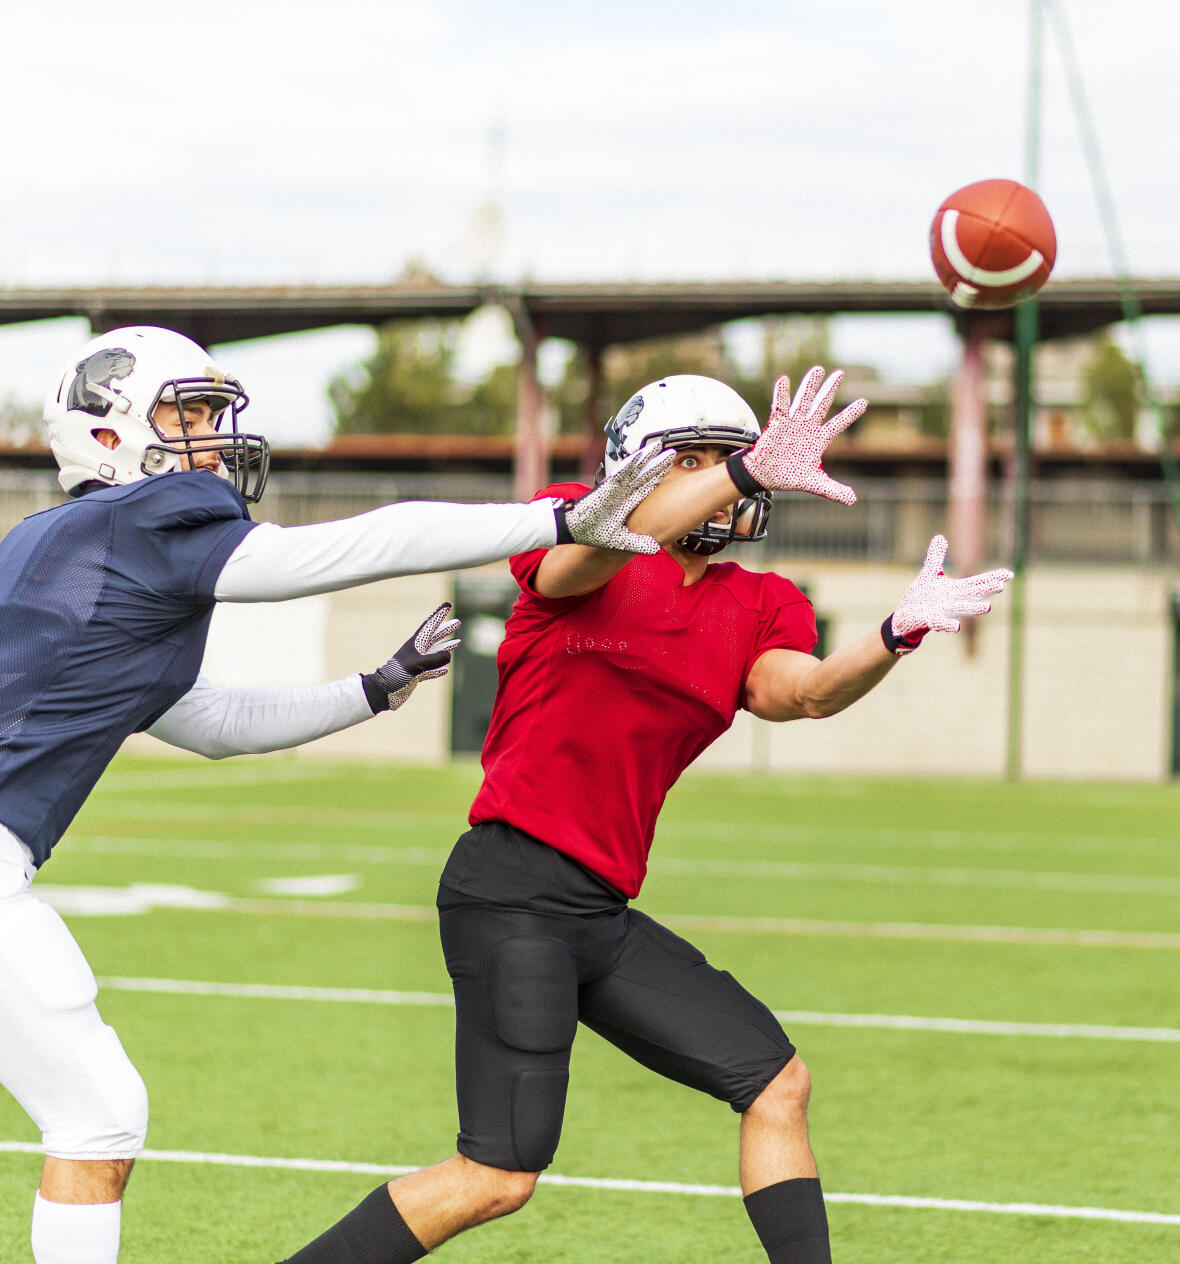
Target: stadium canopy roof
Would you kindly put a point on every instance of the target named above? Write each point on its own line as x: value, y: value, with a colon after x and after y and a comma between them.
x: 591, y: 314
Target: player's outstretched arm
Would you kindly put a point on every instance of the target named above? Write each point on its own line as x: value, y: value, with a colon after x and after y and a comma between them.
x: 218, y: 722
x: 274, y: 563
x: 787, y: 685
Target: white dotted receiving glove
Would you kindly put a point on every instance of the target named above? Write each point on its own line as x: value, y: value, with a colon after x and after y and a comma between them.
x: 600, y: 517
x: 934, y: 602
x: 425, y: 656
x: 788, y: 456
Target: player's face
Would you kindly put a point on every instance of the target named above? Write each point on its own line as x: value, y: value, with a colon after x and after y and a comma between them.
x: 191, y: 420
x: 701, y: 457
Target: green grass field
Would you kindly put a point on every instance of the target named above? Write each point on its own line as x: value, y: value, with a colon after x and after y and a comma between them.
x: 1042, y: 918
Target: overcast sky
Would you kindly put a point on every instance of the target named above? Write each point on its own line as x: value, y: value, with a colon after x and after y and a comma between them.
x: 293, y: 141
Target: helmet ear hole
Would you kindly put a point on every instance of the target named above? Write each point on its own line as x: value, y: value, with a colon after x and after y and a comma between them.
x: 106, y: 436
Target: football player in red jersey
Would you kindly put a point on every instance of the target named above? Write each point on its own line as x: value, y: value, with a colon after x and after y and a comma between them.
x: 615, y: 673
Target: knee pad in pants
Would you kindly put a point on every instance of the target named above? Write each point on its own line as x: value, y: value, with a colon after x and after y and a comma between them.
x: 58, y: 1058
x: 533, y: 997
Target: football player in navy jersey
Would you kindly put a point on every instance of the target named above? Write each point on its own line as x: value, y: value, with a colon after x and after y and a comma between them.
x: 614, y: 674
x: 105, y: 604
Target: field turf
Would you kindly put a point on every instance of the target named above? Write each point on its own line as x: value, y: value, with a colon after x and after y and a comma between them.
x: 983, y: 979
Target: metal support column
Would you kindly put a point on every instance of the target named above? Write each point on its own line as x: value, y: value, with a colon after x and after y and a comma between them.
x: 532, y: 444
x: 967, y: 476
x: 595, y: 415
x: 1026, y: 339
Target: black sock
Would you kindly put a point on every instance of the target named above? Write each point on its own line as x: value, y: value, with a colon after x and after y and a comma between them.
x: 372, y: 1233
x: 791, y: 1222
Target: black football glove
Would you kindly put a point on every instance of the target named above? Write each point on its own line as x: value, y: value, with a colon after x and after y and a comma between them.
x: 424, y: 656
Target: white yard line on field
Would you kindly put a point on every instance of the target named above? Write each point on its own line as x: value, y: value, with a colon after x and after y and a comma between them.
x: 1060, y: 937
x: 108, y: 811
x: 224, y: 848
x: 782, y: 870
x: 972, y: 841
x: 906, y: 1022
x: 650, y: 1187
x: 77, y: 900
x: 916, y: 875
x: 165, y: 777
x: 277, y: 992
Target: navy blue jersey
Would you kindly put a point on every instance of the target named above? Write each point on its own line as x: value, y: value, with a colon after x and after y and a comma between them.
x: 105, y: 605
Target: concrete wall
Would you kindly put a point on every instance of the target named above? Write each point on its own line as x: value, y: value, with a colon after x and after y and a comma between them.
x: 1097, y: 689
x: 1097, y: 695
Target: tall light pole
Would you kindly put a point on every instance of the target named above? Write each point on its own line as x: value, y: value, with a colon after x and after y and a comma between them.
x: 1026, y: 340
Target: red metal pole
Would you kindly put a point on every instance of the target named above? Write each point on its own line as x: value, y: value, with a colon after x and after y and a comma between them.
x: 967, y: 473
x: 532, y: 444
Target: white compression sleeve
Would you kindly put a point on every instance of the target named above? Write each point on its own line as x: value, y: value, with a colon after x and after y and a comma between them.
x: 219, y: 722
x: 274, y: 563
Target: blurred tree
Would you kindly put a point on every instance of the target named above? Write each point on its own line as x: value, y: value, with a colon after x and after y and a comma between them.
x: 934, y: 409
x: 790, y: 346
x: 491, y: 406
x: 20, y: 423
x: 1111, y: 385
x: 405, y: 387
x: 408, y: 386
x: 627, y: 367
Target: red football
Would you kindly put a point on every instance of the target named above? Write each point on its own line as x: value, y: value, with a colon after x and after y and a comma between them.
x: 992, y: 244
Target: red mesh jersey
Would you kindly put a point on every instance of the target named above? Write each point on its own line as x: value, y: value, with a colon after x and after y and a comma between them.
x: 605, y: 699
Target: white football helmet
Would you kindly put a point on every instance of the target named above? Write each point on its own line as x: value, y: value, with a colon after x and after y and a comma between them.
x: 680, y: 412
x: 115, y: 382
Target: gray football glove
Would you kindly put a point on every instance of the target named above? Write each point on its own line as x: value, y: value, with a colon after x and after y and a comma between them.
x: 424, y: 656
x: 600, y: 517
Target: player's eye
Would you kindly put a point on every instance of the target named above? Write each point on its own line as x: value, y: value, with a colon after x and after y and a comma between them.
x: 688, y: 462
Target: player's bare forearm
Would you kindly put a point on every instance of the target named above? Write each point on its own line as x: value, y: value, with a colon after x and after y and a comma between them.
x: 670, y: 511
x: 678, y: 506
x: 788, y: 685
x: 572, y: 570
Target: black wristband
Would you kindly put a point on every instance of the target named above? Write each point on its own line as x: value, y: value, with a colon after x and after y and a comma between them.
x: 743, y: 480
x: 563, y: 531
x: 376, y: 695
x: 899, y: 645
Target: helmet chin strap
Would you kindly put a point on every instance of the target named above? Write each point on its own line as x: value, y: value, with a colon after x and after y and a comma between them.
x: 701, y: 547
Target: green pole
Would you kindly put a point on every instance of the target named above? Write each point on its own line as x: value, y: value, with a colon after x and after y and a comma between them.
x: 1026, y: 339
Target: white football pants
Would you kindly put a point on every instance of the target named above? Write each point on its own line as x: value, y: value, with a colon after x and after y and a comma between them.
x: 60, y: 1061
